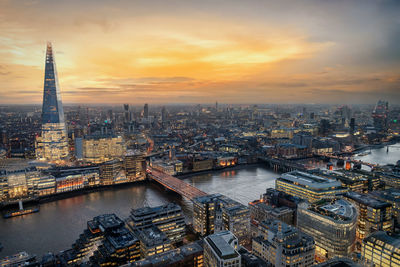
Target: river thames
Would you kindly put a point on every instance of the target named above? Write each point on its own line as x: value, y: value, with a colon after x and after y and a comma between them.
x: 59, y: 223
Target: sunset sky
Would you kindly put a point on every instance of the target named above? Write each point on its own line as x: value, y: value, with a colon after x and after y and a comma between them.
x: 236, y: 51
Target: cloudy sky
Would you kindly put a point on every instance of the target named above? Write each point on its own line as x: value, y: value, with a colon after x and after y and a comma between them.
x: 202, y: 51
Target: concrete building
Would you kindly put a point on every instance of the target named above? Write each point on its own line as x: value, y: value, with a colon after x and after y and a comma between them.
x: 308, y: 186
x: 374, y: 215
x: 168, y: 218
x: 102, y: 148
x: 220, y: 250
x: 283, y: 245
x: 332, y: 223
x: 381, y: 249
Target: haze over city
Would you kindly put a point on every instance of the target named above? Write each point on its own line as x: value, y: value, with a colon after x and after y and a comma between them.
x: 200, y: 133
x: 202, y: 51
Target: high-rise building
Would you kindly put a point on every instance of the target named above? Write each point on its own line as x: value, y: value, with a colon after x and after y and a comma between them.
x: 380, y: 115
x: 146, y: 111
x: 308, y: 186
x: 373, y: 215
x: 220, y: 250
x: 168, y: 218
x: 283, y: 245
x: 102, y: 148
x: 127, y: 115
x: 135, y: 166
x: 381, y: 249
x: 214, y: 213
x: 52, y: 145
x: 322, y: 219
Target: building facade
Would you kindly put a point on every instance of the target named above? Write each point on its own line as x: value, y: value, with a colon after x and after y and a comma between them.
x: 52, y: 145
x: 332, y: 224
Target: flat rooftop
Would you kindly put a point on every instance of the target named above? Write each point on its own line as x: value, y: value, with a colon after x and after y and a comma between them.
x: 310, y: 180
x: 221, y: 247
x: 154, y: 210
x: 367, y: 200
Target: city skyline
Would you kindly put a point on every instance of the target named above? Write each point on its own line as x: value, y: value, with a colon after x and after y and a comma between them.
x: 252, y: 53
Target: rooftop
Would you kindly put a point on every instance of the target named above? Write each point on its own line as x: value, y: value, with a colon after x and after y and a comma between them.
x: 221, y: 247
x: 367, y: 200
x: 310, y: 180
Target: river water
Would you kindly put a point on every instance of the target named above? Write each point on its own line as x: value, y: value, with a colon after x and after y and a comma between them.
x: 59, y: 223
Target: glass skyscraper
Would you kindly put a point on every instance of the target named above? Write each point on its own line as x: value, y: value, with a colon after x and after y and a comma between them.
x: 52, y: 145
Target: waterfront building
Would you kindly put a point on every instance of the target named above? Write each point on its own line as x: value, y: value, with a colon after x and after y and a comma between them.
x: 98, y: 229
x: 220, y: 250
x: 200, y: 164
x: 152, y: 241
x: 119, y: 247
x: 308, y: 186
x: 204, y: 214
x: 332, y: 223
x: 223, y: 162
x: 373, y: 215
x: 52, y: 145
x: 134, y: 166
x: 168, y: 218
x: 109, y: 171
x: 102, y: 148
x: 171, y: 167
x: 25, y: 183
x: 381, y: 249
x: 187, y: 255
x: 69, y: 183
x: 213, y: 213
x: 283, y: 245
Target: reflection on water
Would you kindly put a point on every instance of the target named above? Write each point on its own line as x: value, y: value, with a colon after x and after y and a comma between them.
x: 381, y: 156
x: 59, y: 223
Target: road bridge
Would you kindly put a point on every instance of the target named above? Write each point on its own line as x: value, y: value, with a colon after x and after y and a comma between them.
x: 175, y: 184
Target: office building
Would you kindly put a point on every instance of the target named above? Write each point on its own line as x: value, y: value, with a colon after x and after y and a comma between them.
x: 102, y: 148
x: 380, y: 116
x: 213, y: 213
x: 134, y: 166
x: 308, y: 186
x: 283, y: 245
x: 152, y: 241
x: 109, y: 171
x: 338, y: 262
x: 52, y: 145
x: 332, y: 223
x: 373, y: 215
x: 119, y: 247
x: 220, y: 250
x: 381, y: 249
x: 106, y: 238
x: 168, y: 218
x: 261, y: 211
x: 391, y: 196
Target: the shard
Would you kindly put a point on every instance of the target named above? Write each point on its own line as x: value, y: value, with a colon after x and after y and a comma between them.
x: 52, y: 145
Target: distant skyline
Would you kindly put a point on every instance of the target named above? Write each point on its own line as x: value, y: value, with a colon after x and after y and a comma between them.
x: 160, y: 52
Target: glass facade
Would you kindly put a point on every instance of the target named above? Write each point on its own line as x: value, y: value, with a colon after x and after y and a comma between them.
x: 53, y: 143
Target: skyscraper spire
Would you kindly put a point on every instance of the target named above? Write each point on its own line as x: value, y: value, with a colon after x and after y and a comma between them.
x: 53, y: 143
x: 52, y: 110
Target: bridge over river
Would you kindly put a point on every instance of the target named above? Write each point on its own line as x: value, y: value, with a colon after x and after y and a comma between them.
x: 175, y: 184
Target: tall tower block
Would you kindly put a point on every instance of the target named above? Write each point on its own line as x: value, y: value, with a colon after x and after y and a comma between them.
x: 52, y: 145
